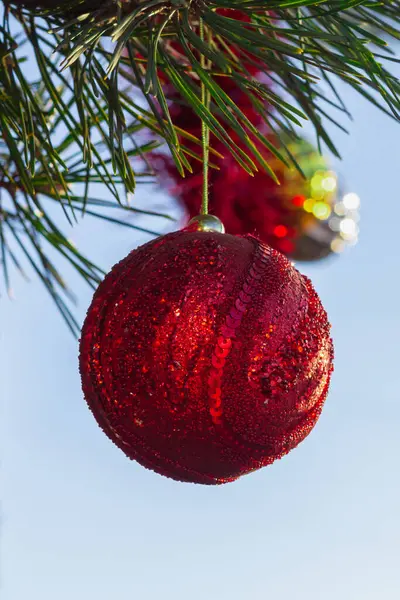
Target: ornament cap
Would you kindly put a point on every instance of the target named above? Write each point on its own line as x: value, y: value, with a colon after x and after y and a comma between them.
x: 206, y: 223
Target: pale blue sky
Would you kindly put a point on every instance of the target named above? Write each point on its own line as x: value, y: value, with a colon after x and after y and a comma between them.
x: 80, y: 521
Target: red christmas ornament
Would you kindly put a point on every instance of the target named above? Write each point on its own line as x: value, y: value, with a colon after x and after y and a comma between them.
x: 205, y: 356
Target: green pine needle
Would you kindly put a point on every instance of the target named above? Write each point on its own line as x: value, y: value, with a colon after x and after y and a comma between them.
x: 50, y: 171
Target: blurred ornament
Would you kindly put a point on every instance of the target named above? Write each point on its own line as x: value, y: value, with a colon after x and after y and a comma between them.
x: 205, y: 356
x: 304, y: 218
x: 316, y: 218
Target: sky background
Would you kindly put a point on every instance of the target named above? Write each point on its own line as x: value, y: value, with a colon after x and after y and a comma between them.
x: 80, y: 521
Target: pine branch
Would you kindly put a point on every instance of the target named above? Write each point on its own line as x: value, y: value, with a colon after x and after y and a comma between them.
x: 297, y: 44
x: 41, y: 167
x: 99, y: 74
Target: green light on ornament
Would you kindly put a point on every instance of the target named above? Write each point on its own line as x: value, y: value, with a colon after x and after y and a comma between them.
x: 316, y: 182
x: 321, y: 210
x: 323, y: 183
x: 329, y: 183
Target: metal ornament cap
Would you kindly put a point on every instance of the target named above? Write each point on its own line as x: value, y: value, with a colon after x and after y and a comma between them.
x: 206, y: 223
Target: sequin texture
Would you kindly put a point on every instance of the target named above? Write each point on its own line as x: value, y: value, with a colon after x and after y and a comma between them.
x: 205, y: 356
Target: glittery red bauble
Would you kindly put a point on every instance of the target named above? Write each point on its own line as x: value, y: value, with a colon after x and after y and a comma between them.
x: 205, y: 356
